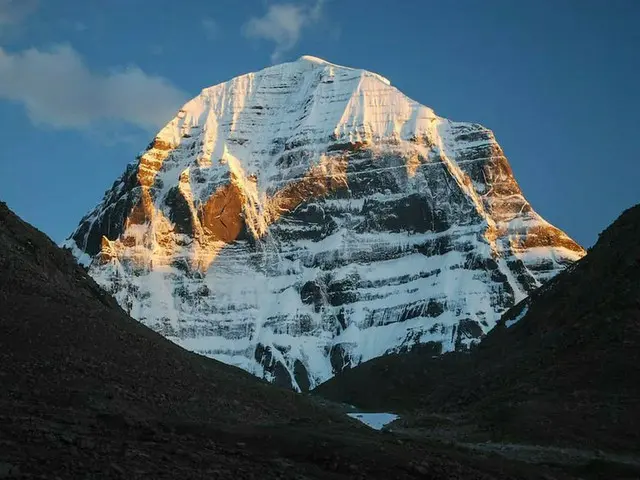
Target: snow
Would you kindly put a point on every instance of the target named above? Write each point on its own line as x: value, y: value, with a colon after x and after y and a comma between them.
x: 374, y: 420
x: 538, y: 255
x: 294, y: 101
x: 520, y: 316
x: 81, y: 257
x: 268, y: 129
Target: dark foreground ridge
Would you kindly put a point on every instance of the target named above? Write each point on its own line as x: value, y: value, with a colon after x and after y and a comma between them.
x: 87, y: 392
x: 559, y: 370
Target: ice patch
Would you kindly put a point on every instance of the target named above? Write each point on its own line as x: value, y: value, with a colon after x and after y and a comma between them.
x: 374, y: 420
x: 519, y: 317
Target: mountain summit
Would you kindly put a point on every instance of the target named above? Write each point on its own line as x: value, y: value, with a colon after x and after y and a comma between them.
x: 299, y: 220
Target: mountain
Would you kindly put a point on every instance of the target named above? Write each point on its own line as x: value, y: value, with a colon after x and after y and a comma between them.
x: 560, y: 368
x: 308, y: 217
x: 88, y: 392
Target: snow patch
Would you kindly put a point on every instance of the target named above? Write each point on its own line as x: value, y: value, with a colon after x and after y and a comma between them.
x: 81, y: 257
x: 374, y: 420
x: 520, y: 316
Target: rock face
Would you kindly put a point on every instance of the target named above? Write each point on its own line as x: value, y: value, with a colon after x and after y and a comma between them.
x: 558, y: 368
x: 305, y: 218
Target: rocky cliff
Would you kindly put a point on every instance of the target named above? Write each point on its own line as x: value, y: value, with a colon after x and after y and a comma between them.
x: 302, y: 219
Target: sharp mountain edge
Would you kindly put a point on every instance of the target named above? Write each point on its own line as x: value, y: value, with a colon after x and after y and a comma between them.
x: 308, y: 217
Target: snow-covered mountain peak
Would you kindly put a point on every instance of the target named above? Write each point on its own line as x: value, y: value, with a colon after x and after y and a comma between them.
x: 303, y: 218
x: 306, y: 102
x: 324, y: 63
x: 312, y: 59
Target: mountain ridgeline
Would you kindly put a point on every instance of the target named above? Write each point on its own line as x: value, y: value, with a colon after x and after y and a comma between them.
x: 308, y: 217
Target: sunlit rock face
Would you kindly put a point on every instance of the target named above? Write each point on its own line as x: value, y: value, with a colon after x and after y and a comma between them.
x: 305, y: 218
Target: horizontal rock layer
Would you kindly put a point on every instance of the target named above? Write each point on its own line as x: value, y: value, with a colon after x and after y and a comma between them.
x: 305, y: 218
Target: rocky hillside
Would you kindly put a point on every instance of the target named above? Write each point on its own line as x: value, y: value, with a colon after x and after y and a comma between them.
x: 302, y: 219
x: 560, y: 368
x: 88, y: 392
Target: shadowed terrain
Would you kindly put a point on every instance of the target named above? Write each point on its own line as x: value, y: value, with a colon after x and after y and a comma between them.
x: 87, y: 392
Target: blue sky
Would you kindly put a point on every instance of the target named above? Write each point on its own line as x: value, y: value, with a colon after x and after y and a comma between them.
x: 84, y: 88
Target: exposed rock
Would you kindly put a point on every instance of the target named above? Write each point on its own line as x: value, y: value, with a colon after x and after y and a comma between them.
x: 329, y: 218
x: 8, y: 471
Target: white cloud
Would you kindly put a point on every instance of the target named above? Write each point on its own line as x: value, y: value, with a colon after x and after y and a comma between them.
x: 211, y: 27
x: 59, y: 90
x: 282, y: 24
x: 13, y: 11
